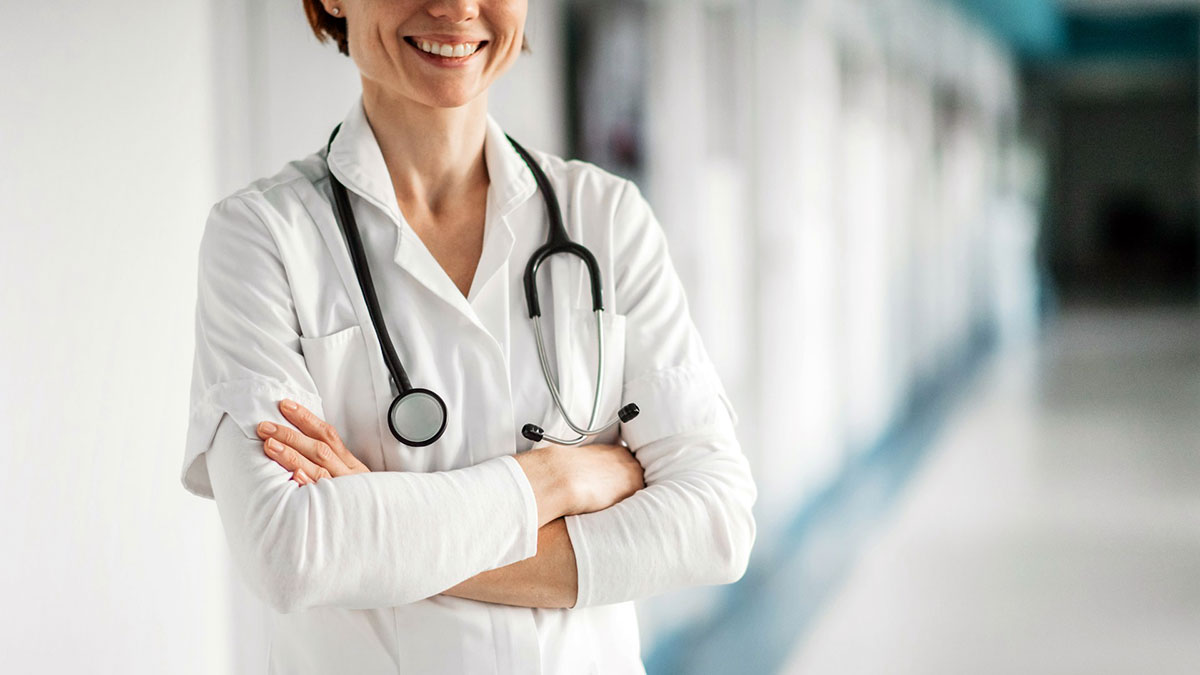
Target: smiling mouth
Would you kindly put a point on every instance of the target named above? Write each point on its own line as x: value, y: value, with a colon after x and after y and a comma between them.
x: 445, y: 51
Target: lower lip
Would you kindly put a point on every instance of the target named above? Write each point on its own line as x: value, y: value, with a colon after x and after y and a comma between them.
x: 446, y: 61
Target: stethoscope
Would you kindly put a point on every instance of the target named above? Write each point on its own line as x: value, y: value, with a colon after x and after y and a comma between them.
x: 417, y: 417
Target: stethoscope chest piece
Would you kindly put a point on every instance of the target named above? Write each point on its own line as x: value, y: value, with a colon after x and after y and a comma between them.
x: 417, y: 417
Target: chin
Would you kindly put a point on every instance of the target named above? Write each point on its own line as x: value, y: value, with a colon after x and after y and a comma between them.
x: 448, y: 98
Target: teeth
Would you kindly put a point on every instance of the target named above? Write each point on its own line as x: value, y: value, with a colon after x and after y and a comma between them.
x: 455, y: 51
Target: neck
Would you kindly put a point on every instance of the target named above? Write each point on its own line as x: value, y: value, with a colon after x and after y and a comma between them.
x: 432, y: 154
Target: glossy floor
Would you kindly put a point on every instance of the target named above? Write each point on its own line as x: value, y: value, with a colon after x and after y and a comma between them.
x: 1054, y: 526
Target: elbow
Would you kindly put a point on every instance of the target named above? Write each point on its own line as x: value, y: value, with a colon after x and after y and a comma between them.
x: 737, y: 532
x: 731, y: 496
x: 279, y: 570
x: 735, y: 568
x: 736, y: 553
x: 726, y: 520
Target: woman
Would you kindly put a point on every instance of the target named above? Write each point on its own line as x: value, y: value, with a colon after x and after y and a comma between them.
x: 479, y: 552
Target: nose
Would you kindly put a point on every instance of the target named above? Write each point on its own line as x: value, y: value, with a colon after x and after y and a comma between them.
x: 454, y: 11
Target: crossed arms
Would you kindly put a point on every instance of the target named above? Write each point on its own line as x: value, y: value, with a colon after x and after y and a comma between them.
x: 389, y: 538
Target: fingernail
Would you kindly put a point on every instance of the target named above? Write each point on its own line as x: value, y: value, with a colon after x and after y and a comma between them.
x: 289, y: 404
x: 273, y: 445
x: 267, y: 427
x: 304, y: 476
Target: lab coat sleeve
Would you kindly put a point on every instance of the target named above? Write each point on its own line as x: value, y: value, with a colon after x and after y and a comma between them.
x: 362, y: 541
x: 692, y: 524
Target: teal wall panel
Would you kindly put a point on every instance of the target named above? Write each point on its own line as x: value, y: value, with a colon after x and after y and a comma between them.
x: 1031, y: 27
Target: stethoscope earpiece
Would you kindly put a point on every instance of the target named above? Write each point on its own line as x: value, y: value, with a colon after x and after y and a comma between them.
x: 629, y: 412
x: 533, y: 432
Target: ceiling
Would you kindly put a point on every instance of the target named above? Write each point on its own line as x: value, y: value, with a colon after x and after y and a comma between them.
x: 1069, y: 30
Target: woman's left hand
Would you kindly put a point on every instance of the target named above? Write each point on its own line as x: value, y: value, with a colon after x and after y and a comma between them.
x: 314, y: 452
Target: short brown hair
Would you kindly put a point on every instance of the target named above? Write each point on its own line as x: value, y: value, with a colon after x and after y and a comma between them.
x: 328, y: 27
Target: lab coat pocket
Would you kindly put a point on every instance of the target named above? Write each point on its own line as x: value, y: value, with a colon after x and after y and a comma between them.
x: 579, y: 366
x: 339, y: 367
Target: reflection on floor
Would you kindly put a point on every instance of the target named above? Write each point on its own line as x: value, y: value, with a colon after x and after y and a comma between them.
x: 1054, y: 527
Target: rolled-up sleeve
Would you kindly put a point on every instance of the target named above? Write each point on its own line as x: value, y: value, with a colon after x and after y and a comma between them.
x: 692, y: 524
x: 368, y: 540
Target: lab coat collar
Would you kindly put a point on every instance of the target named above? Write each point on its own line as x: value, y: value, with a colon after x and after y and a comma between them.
x: 357, y: 161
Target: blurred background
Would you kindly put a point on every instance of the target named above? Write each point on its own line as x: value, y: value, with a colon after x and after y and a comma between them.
x: 943, y: 252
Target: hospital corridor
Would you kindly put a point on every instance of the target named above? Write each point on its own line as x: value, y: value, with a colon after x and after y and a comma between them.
x: 1054, y: 525
x: 905, y: 295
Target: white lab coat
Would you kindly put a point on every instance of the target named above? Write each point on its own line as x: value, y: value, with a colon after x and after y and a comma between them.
x: 352, y: 567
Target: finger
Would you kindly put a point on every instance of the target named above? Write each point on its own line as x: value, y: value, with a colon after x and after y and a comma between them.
x: 301, y: 477
x: 307, y: 421
x: 287, y: 457
x: 315, y: 427
x: 315, y: 450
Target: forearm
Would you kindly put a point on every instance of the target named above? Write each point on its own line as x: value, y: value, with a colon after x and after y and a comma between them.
x: 549, y: 579
x: 366, y: 540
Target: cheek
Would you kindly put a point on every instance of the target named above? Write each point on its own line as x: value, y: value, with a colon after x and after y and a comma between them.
x: 368, y: 48
x: 509, y: 17
x: 512, y: 51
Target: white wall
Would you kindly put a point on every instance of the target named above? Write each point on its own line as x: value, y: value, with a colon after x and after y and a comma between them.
x: 106, y: 173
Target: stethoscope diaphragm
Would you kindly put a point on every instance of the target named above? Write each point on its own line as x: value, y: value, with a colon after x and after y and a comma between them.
x: 417, y: 417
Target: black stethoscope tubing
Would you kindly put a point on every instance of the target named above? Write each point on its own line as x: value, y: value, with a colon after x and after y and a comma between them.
x: 557, y: 241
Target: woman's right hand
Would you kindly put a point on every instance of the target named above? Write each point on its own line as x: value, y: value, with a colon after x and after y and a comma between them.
x: 600, y: 475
